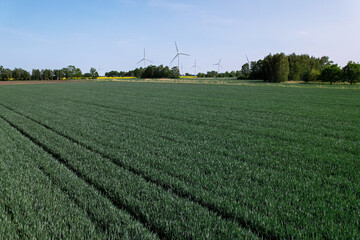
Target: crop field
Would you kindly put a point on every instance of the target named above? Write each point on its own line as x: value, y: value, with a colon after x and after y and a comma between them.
x: 142, y: 160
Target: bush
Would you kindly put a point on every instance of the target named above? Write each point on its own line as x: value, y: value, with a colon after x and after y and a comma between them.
x: 312, y: 75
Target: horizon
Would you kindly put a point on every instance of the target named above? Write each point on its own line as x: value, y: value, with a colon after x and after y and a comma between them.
x: 43, y: 35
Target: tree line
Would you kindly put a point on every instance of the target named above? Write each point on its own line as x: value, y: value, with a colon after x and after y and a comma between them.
x: 273, y: 68
x: 166, y: 72
x: 282, y: 68
x: 70, y: 72
x: 148, y: 72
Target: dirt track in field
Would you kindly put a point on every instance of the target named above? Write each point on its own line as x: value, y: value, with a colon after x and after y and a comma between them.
x: 35, y: 82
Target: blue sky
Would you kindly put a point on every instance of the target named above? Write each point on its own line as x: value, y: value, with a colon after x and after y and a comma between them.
x: 113, y: 33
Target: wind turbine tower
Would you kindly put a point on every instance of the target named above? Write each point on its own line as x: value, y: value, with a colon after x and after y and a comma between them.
x: 178, y: 55
x: 145, y: 59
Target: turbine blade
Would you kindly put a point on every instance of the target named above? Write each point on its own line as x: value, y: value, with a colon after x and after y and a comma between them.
x: 144, y: 52
x: 149, y: 60
x: 220, y: 60
x: 141, y: 60
x: 185, y: 54
x: 177, y: 50
x: 174, y: 58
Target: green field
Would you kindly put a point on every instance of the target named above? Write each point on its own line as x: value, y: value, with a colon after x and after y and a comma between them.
x: 135, y: 160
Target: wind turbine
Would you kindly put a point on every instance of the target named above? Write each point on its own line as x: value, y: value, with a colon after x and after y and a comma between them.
x: 178, y: 56
x: 145, y: 59
x: 219, y: 65
x: 99, y: 69
x: 196, y: 67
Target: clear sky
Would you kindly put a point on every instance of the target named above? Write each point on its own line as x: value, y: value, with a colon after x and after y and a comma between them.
x: 113, y: 33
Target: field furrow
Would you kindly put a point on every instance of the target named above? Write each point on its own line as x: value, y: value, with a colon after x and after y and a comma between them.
x: 125, y: 189
x: 167, y: 183
x: 33, y: 207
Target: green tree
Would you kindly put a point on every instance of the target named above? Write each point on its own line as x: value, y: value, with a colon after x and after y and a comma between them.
x: 129, y: 74
x: 325, y: 61
x: 175, y: 72
x: 211, y: 74
x: 245, y: 70
x: 112, y: 74
x: 267, y: 68
x: 16, y: 74
x: 35, y: 74
x: 313, y: 75
x: 77, y: 73
x: 279, y: 68
x: 352, y: 72
x: 69, y: 71
x: 138, y: 72
x: 25, y: 75
x: 149, y: 72
x: 58, y: 74
x: 257, y: 70
x: 332, y: 73
x: 93, y: 73
x: 239, y: 75
x: 296, y: 67
x: 158, y: 72
x: 1, y: 71
x: 6, y: 74
x: 166, y: 72
x: 47, y: 74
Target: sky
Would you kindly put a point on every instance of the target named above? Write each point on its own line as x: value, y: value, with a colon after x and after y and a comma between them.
x: 111, y: 34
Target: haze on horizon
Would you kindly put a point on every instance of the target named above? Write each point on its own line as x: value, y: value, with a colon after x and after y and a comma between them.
x: 47, y: 34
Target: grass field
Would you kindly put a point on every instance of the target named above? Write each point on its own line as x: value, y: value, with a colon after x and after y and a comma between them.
x: 137, y: 160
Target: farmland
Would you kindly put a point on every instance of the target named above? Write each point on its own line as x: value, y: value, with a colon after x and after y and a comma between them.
x: 145, y: 160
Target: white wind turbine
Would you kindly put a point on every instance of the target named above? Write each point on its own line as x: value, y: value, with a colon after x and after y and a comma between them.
x: 178, y: 56
x: 99, y: 69
x: 219, y: 65
x: 145, y: 59
x: 196, y: 67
